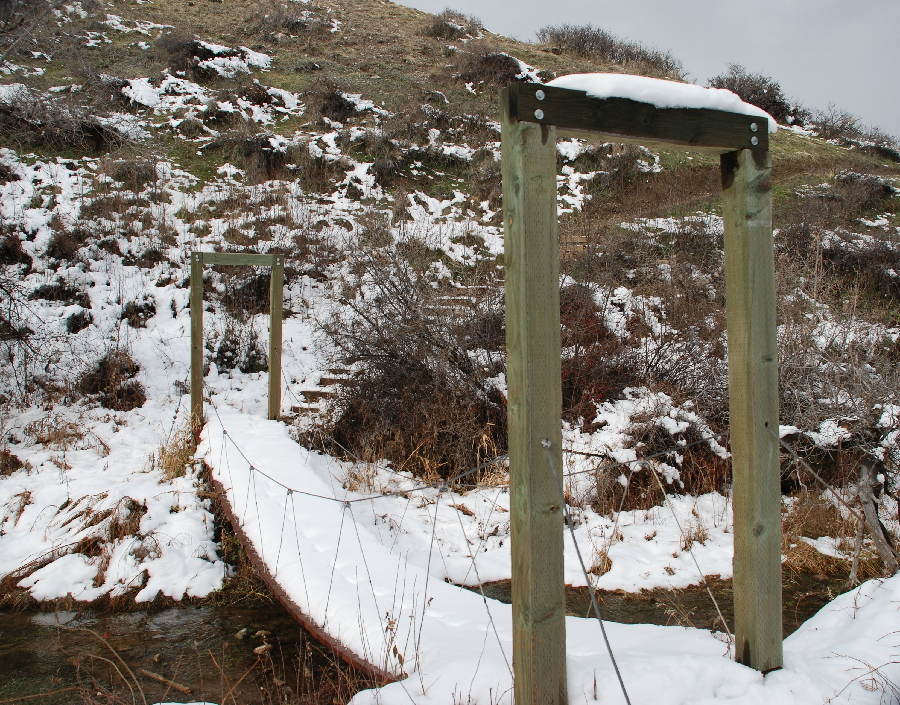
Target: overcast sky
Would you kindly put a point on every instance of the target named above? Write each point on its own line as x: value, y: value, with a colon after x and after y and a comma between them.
x: 841, y: 51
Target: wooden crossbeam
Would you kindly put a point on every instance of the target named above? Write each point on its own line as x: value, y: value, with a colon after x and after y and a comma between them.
x: 622, y: 120
x: 238, y: 258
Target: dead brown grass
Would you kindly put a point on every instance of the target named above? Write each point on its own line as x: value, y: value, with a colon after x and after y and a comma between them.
x: 812, y: 517
x: 175, y: 452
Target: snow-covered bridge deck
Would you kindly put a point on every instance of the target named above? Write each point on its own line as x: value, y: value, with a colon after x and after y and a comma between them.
x: 367, y: 591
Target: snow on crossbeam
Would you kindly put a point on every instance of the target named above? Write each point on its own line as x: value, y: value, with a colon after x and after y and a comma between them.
x: 661, y: 93
x: 328, y: 559
x: 648, y: 111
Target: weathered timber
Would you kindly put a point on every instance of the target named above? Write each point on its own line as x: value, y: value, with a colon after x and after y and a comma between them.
x: 623, y: 120
x: 753, y: 404
x: 531, y: 261
x: 276, y: 310
x: 239, y: 258
x: 196, y: 339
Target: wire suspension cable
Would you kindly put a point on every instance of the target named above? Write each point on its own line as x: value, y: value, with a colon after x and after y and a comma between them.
x: 483, y: 596
x: 562, y: 497
x: 281, y: 536
x: 690, y: 550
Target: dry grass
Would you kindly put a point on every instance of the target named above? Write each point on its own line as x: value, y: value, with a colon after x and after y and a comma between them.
x: 175, y: 452
x: 695, y: 531
x: 812, y: 517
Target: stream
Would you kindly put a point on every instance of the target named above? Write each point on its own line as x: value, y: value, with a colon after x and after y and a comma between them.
x: 198, y: 647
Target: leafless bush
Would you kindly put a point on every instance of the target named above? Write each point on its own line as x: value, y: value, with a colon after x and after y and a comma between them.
x: 27, y: 347
x: 30, y: 120
x: 481, y: 64
x: 420, y: 394
x: 112, y: 381
x: 179, y: 50
x: 834, y: 123
x: 272, y: 16
x: 819, y: 235
x: 11, y: 252
x: 759, y: 90
x: 9, y: 463
x: 595, y: 43
x: 592, y: 370
x: 328, y: 96
x: 452, y: 25
x: 139, y: 311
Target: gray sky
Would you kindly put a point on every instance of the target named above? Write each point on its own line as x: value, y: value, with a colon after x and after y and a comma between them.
x: 841, y: 51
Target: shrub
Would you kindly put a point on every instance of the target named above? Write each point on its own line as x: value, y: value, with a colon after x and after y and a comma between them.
x: 594, y: 43
x: 134, y: 174
x: 64, y: 244
x: 481, y: 64
x: 420, y: 394
x: 60, y: 291
x: 274, y: 16
x: 835, y: 123
x: 333, y: 103
x: 591, y: 371
x: 29, y: 119
x: 11, y: 252
x: 241, y: 348
x: 453, y: 25
x: 139, y: 311
x: 246, y: 294
x: 77, y: 322
x: 9, y: 463
x: 112, y: 382
x: 176, y: 49
x: 757, y: 89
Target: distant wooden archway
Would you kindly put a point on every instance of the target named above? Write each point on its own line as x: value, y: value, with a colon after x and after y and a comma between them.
x: 276, y: 304
x: 533, y: 116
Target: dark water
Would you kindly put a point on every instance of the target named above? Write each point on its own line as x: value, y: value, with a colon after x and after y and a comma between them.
x: 802, y: 595
x: 195, y: 647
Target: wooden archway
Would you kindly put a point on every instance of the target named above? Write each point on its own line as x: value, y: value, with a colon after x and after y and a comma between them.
x: 533, y: 116
x: 276, y: 301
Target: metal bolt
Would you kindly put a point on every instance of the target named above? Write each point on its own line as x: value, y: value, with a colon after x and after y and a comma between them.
x: 539, y: 114
x: 539, y: 94
x: 754, y: 140
x: 753, y: 127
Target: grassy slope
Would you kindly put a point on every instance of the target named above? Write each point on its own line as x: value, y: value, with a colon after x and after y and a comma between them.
x: 380, y: 51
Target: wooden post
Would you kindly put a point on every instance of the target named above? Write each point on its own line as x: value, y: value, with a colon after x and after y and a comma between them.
x: 276, y: 306
x: 753, y: 397
x: 196, y: 339
x: 531, y: 261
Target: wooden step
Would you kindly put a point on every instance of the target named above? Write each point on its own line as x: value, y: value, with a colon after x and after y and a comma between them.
x: 330, y: 381
x: 314, y: 395
x: 307, y: 409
